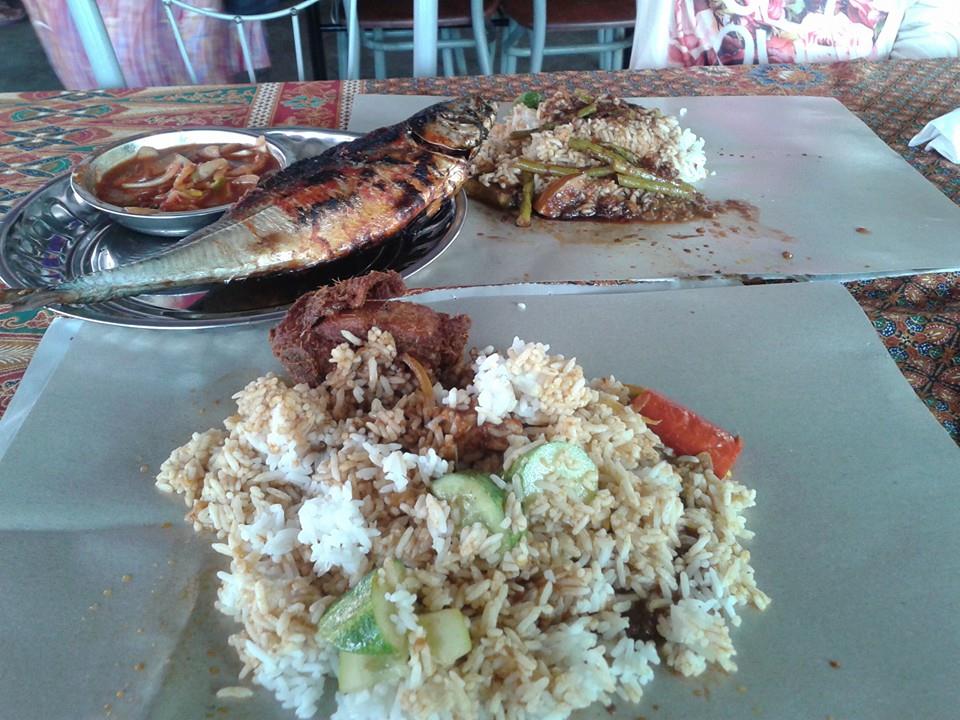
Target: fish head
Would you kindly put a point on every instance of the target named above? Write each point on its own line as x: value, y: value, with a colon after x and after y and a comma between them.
x: 456, y: 127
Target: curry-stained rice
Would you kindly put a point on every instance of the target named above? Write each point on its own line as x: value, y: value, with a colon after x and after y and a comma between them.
x: 306, y: 489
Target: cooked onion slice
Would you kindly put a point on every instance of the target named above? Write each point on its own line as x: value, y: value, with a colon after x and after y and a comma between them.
x: 169, y: 174
x: 423, y: 377
x: 207, y: 169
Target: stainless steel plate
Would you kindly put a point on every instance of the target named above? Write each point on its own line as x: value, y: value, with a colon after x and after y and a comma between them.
x: 52, y: 236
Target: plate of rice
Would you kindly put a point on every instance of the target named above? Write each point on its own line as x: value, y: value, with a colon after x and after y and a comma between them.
x: 112, y: 605
x: 573, y: 156
x: 496, y: 537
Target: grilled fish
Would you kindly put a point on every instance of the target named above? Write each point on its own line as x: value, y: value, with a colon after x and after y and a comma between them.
x: 352, y: 196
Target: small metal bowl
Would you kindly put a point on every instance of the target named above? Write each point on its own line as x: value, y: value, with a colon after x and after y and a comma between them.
x: 88, y: 173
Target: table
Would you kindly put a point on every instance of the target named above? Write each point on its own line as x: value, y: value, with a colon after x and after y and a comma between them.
x: 918, y: 318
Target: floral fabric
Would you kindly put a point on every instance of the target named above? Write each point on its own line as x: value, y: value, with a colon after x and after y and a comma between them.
x: 735, y: 32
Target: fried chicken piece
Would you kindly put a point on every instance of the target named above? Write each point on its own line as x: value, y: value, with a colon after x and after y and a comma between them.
x: 314, y: 324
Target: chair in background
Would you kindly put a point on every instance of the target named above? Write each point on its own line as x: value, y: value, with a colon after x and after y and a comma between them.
x: 386, y: 26
x: 293, y: 12
x: 609, y: 18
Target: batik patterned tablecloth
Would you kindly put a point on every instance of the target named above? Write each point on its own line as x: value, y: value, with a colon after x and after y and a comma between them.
x: 918, y: 318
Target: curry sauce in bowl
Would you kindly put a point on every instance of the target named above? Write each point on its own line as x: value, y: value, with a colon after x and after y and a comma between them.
x: 176, y: 182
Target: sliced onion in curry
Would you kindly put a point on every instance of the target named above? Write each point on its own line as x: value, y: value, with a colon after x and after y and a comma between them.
x: 188, y: 177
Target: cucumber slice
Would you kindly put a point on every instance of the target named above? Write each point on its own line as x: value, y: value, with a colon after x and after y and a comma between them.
x: 531, y: 99
x: 361, y: 672
x: 359, y: 621
x: 475, y: 495
x: 569, y: 465
x: 448, y: 635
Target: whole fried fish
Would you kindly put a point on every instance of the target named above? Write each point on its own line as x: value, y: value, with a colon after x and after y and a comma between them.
x: 352, y: 196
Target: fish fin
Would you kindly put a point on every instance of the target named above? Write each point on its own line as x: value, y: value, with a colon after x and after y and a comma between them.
x: 35, y: 298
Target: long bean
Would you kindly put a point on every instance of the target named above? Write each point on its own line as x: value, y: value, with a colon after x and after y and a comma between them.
x: 636, y: 175
x: 601, y: 153
x: 628, y: 155
x: 601, y: 171
x: 587, y: 110
x: 526, y: 201
x: 664, y: 187
x: 638, y: 170
x: 541, y: 168
x: 522, y: 134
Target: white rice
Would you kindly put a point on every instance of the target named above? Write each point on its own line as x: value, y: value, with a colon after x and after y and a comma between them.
x: 306, y: 489
x: 649, y: 134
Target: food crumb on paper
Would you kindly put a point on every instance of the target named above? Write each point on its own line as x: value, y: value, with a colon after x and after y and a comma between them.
x: 741, y: 689
x: 107, y: 592
x: 126, y: 578
x: 835, y: 664
x: 235, y: 692
x: 139, y: 667
x: 521, y: 306
x: 144, y: 469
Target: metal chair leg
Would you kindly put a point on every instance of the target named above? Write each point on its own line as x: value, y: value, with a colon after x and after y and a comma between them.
x: 379, y: 55
x: 479, y: 23
x: 353, y: 41
x: 511, y: 58
x: 447, y: 54
x: 459, y: 55
x: 316, y: 43
x: 619, y: 35
x: 341, y: 56
x: 538, y: 36
x: 505, y: 46
x: 603, y: 38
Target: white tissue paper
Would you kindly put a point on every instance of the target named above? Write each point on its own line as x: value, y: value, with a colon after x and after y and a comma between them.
x: 942, y: 135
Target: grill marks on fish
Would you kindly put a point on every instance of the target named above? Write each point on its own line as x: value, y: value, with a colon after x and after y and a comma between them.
x: 367, y: 197
x: 317, y: 210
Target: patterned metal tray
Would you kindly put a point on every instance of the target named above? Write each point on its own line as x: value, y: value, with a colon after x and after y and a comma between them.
x: 51, y: 235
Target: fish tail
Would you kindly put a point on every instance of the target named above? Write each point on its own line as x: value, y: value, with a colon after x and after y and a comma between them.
x: 36, y: 298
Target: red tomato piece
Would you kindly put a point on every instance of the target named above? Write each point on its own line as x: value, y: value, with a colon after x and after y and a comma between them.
x: 688, y: 433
